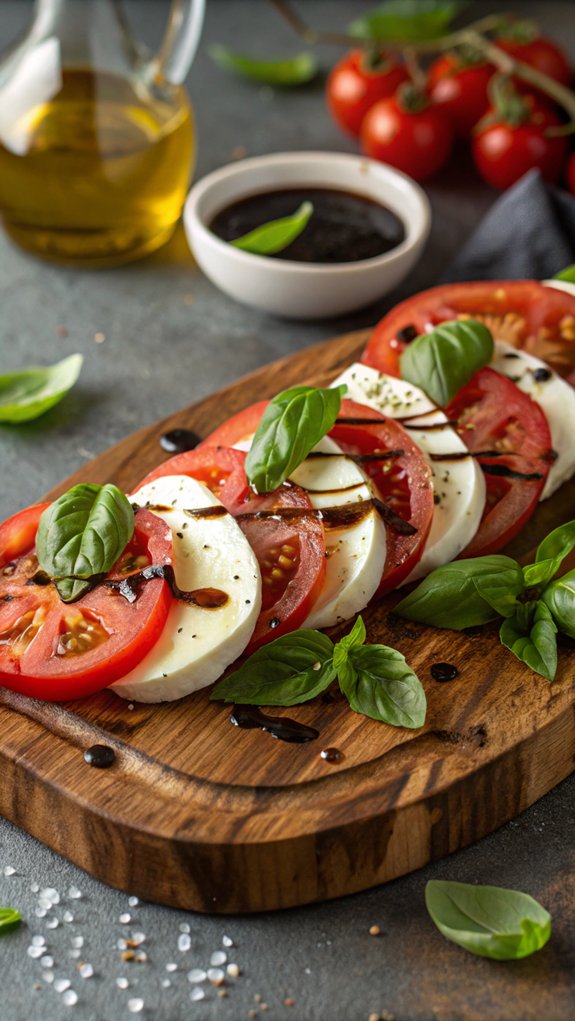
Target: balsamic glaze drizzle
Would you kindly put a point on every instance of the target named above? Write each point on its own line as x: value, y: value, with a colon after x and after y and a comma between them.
x: 444, y: 672
x: 130, y: 586
x: 249, y: 717
x: 177, y: 441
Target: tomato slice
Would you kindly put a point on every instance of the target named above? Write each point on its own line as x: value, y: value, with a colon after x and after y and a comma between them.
x: 403, y: 483
x: 58, y: 651
x: 524, y: 313
x: 493, y: 415
x: 287, y: 537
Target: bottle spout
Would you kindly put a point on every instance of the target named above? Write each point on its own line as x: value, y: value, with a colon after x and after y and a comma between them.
x: 180, y: 42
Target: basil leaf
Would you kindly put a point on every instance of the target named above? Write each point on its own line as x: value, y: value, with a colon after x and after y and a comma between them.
x: 378, y: 683
x: 465, y: 593
x: 354, y: 638
x: 490, y: 921
x: 9, y: 919
x: 290, y: 427
x: 407, y: 21
x: 288, y: 71
x: 274, y: 236
x: 537, y: 647
x: 287, y: 671
x: 558, y: 544
x: 444, y: 360
x: 81, y: 535
x: 541, y: 573
x: 559, y: 598
x: 29, y: 393
x: 341, y: 659
x: 567, y: 274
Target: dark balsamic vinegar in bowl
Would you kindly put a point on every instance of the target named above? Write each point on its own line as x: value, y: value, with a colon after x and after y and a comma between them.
x: 344, y: 226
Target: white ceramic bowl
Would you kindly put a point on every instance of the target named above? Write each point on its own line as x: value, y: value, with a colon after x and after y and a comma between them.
x: 301, y: 290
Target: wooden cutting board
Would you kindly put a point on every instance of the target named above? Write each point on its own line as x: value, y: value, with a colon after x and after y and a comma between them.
x: 198, y: 814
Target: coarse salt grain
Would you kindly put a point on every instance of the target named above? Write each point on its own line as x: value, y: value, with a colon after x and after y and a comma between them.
x: 35, y: 951
x: 216, y: 976
x: 218, y: 958
x: 52, y: 923
x: 50, y: 894
x: 74, y: 893
x: 125, y: 918
x: 171, y: 966
x: 133, y: 901
x: 74, y: 954
x: 47, y: 961
x: 68, y: 916
x: 227, y: 941
x: 86, y: 971
x: 233, y: 970
x: 184, y: 927
x: 9, y: 870
x: 38, y: 941
x: 197, y: 994
x: 40, y: 912
x: 77, y: 941
x: 34, y: 887
x: 48, y: 977
x: 184, y: 942
x: 62, y: 984
x: 197, y: 975
x: 135, y: 1005
x: 137, y: 939
x: 165, y: 983
x: 70, y: 998
x: 121, y: 982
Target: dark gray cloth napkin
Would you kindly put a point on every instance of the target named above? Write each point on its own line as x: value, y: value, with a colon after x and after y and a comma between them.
x: 529, y: 232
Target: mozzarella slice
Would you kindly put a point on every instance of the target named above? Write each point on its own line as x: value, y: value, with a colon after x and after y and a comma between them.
x: 356, y: 552
x: 555, y: 397
x: 561, y: 285
x: 197, y: 644
x: 459, y: 484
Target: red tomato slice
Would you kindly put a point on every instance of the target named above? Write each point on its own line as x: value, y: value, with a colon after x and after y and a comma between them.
x: 524, y: 313
x: 288, y: 539
x: 403, y: 483
x: 495, y: 415
x: 58, y: 651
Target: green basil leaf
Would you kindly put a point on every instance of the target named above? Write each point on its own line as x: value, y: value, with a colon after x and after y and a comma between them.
x: 354, y: 638
x: 567, y: 274
x: 274, y: 236
x: 292, y: 669
x: 536, y: 646
x: 444, y: 360
x: 9, y: 919
x: 558, y: 544
x: 341, y: 659
x: 81, y: 535
x: 541, y: 573
x: 465, y: 593
x: 490, y: 921
x: 378, y: 683
x: 29, y: 393
x: 287, y: 71
x: 290, y: 427
x: 407, y: 21
x: 559, y: 598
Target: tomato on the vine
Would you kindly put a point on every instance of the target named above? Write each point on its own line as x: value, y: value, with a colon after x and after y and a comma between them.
x: 357, y: 81
x: 408, y: 132
x: 459, y: 87
x: 540, y: 53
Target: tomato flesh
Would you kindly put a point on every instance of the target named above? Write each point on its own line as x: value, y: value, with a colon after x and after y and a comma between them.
x: 288, y: 538
x: 58, y: 651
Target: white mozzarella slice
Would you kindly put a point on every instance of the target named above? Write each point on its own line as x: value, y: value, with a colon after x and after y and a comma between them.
x: 197, y: 644
x: 561, y: 285
x: 555, y: 397
x: 459, y: 485
x: 356, y: 552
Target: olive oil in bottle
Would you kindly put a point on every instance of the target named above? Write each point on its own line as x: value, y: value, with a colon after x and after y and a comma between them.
x: 97, y: 174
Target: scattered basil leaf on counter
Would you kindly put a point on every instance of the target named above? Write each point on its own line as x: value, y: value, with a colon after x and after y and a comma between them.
x: 490, y: 921
x: 378, y: 683
x: 535, y: 644
x: 559, y: 598
x: 29, y: 393
x: 292, y: 669
x: 375, y: 679
x: 407, y: 21
x: 286, y: 72
x: 81, y: 535
x: 275, y: 235
x: 290, y: 427
x: 442, y: 361
x: 567, y: 274
x: 465, y: 593
x: 9, y: 919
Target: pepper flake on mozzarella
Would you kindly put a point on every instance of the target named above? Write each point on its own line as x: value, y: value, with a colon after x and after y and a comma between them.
x: 458, y: 483
x: 209, y: 552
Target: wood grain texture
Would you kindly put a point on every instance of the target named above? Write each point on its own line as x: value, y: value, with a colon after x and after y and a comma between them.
x: 200, y: 815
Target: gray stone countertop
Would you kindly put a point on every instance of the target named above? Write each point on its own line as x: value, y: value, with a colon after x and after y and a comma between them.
x: 169, y: 339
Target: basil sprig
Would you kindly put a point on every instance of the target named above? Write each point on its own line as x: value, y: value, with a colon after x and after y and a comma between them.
x: 567, y: 274
x: 29, y: 393
x: 444, y: 360
x: 285, y: 72
x: 406, y: 21
x: 81, y: 535
x: 293, y: 422
x: 275, y: 235
x: 489, y: 921
x: 468, y: 593
x: 9, y: 919
x: 295, y: 668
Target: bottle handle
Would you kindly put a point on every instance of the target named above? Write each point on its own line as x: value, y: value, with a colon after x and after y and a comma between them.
x: 180, y: 42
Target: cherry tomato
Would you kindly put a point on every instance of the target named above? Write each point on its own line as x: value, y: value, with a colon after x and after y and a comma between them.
x: 403, y: 483
x: 459, y: 89
x: 56, y: 651
x: 418, y: 142
x: 357, y: 81
x: 536, y: 318
x: 287, y: 538
x: 543, y: 54
x: 495, y: 416
x: 504, y: 152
